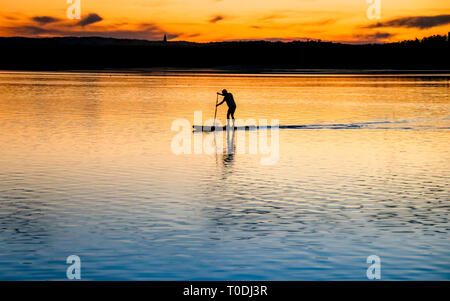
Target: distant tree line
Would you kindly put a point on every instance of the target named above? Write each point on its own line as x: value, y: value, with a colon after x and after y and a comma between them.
x: 95, y: 53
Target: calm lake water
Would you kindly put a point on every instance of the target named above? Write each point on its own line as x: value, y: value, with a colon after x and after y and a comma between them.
x: 87, y: 168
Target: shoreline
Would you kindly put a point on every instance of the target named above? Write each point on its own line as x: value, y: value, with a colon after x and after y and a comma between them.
x: 243, y: 71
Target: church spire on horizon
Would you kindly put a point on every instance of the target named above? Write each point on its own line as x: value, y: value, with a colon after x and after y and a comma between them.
x: 165, y: 39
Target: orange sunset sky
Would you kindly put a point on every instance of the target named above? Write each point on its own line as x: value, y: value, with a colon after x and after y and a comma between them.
x: 221, y: 20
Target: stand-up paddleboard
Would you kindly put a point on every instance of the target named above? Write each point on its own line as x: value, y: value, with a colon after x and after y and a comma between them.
x: 204, y: 128
x: 200, y: 128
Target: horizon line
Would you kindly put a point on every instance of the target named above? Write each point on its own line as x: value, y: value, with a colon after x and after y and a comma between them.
x: 248, y: 40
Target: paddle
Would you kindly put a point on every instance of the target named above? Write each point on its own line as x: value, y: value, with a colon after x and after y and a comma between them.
x: 215, y: 113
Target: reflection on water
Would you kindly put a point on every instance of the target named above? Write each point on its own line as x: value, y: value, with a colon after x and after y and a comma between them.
x: 86, y: 168
x: 229, y: 154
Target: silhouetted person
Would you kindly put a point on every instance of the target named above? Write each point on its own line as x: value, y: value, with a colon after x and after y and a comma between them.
x: 228, y: 98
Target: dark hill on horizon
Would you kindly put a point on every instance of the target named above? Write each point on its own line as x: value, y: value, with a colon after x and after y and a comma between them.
x: 96, y: 53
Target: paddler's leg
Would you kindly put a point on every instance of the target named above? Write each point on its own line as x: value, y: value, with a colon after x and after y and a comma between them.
x: 231, y: 112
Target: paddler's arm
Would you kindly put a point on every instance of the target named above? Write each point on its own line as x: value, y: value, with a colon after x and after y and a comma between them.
x: 221, y: 101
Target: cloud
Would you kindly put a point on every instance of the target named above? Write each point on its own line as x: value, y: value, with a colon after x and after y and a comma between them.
x: 216, y: 19
x: 90, y: 19
x: 10, y: 18
x: 288, y: 39
x: 374, y: 37
x: 300, y: 18
x: 278, y: 14
x: 190, y: 35
x: 286, y: 20
x: 144, y: 31
x: 323, y: 22
x: 31, y: 30
x: 421, y: 22
x: 44, y: 19
x: 381, y: 35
